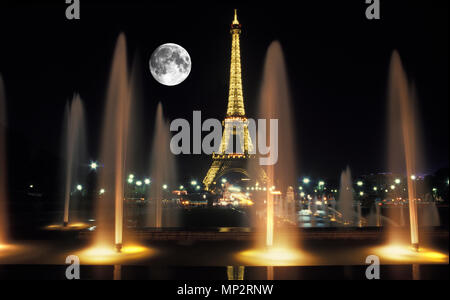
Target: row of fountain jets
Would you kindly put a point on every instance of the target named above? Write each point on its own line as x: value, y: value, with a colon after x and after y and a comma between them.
x: 275, y: 102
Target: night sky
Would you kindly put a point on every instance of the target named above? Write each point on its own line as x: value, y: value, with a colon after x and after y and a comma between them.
x: 337, y: 63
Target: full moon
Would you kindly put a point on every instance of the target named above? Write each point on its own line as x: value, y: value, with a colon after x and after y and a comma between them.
x: 170, y: 64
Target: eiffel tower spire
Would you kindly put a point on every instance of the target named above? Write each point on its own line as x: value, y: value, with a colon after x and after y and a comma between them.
x: 235, y: 97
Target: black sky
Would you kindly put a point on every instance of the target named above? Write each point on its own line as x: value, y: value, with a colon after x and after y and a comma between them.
x: 337, y: 63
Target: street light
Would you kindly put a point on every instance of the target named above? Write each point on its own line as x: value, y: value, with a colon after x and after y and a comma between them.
x: 138, y: 183
x: 93, y: 165
x: 413, y: 177
x: 130, y: 180
x: 397, y: 181
x: 360, y: 183
x: 147, y: 181
x: 321, y: 183
x: 79, y: 187
x: 102, y: 191
x: 193, y: 182
x: 164, y: 186
x: 306, y: 180
x: 224, y: 180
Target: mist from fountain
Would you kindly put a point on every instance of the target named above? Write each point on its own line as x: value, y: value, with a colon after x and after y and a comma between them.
x: 163, y: 174
x: 405, y: 155
x: 430, y: 215
x: 113, y: 150
x: 345, y: 200
x: 3, y: 168
x: 74, y: 151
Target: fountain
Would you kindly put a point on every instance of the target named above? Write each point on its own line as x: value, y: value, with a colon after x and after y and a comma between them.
x: 404, y: 151
x: 345, y: 200
x: 162, y: 172
x: 75, y: 146
x: 113, y: 150
x: 359, y: 214
x: 3, y: 168
x: 279, y: 247
x: 275, y: 103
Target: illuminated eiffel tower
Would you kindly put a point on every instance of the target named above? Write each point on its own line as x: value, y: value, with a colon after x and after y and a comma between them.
x: 230, y: 159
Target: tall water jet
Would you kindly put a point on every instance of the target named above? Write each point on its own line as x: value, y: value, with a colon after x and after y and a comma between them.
x: 113, y: 150
x: 275, y: 103
x: 3, y: 167
x: 162, y: 170
x: 404, y: 152
x: 345, y: 200
x: 74, y: 148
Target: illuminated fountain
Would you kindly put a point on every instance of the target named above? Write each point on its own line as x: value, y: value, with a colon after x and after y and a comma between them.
x: 3, y: 170
x: 405, y: 157
x: 162, y: 173
x: 75, y: 145
x: 279, y: 247
x: 404, y: 151
x: 109, y: 229
x: 113, y: 150
x: 345, y: 200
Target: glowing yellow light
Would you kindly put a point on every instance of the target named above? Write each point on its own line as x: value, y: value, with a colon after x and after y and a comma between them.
x: 405, y: 253
x: 70, y: 226
x: 107, y: 255
x: 277, y: 256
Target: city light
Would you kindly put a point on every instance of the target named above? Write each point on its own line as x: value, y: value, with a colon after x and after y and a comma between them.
x: 197, y: 187
x: 138, y: 183
x: 360, y: 183
x: 224, y: 180
x: 93, y: 165
x: 130, y: 180
x: 361, y: 193
x: 181, y: 187
x: 131, y: 176
x: 306, y: 180
x: 147, y: 181
x: 375, y: 188
x: 321, y: 183
x: 300, y: 188
x: 193, y: 182
x: 392, y: 187
x: 102, y: 191
x: 79, y: 187
x: 397, y: 181
x: 413, y: 177
x: 164, y: 186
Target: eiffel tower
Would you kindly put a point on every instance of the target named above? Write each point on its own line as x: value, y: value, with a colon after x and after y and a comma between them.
x: 230, y: 159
